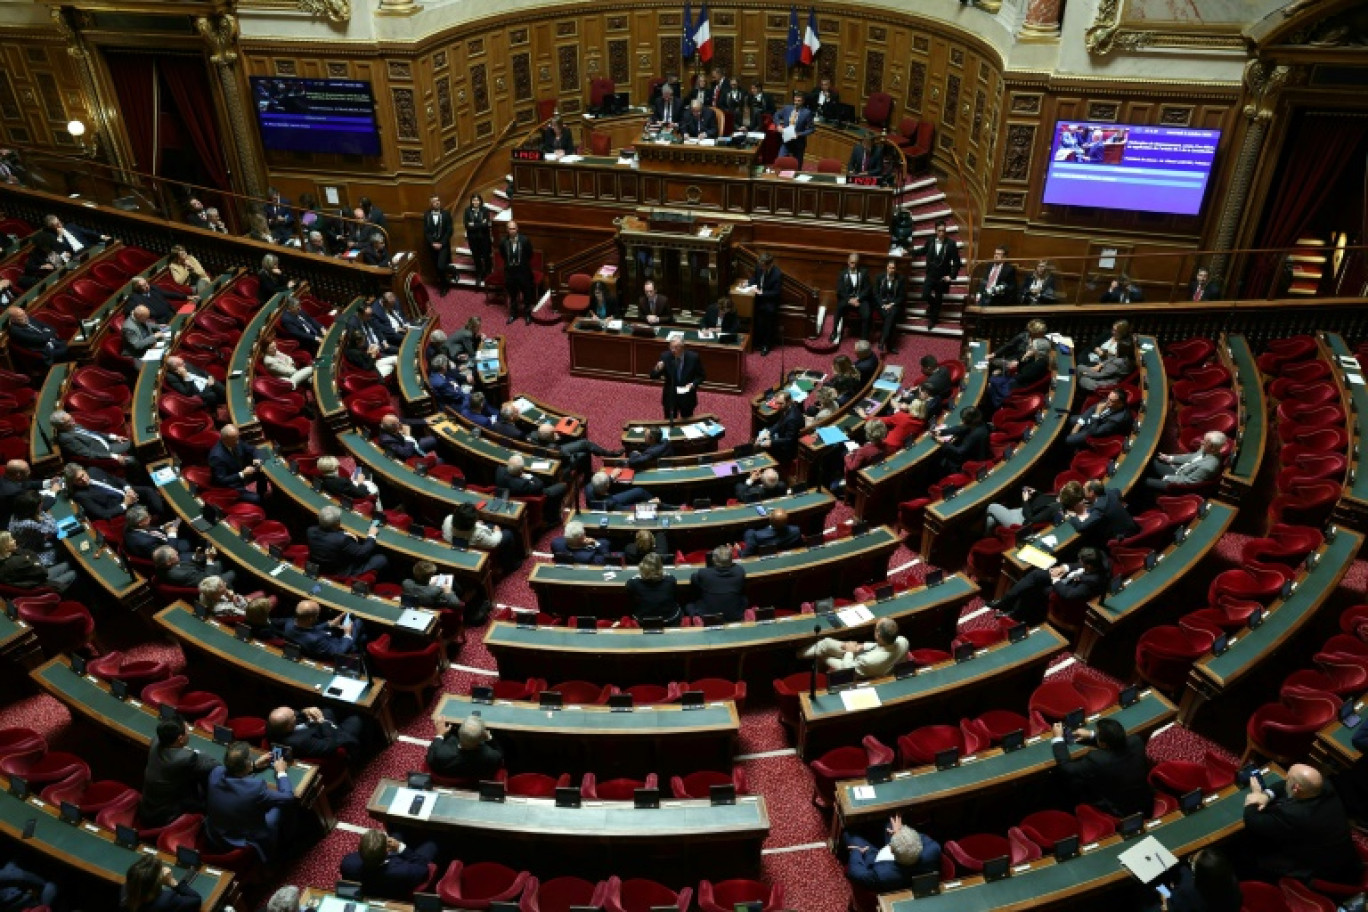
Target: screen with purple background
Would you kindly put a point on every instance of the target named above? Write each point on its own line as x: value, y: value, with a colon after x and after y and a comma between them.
x: 316, y: 115
x: 1125, y: 166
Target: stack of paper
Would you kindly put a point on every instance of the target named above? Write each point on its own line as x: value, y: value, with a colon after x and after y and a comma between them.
x: 855, y: 614
x: 860, y: 698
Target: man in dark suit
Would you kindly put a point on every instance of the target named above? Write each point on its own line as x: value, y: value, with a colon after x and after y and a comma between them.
x: 376, y: 327
x: 1123, y: 291
x: 506, y: 422
x: 999, y: 285
x: 781, y: 437
x: 653, y: 308
x: 198, y: 216
x: 759, y: 101
x: 854, y: 295
x: 192, y: 381
x: 761, y: 484
x: 905, y: 854
x: 445, y: 382
x: 667, y: 109
x: 768, y: 282
x: 866, y: 159
x: 890, y: 296
x: 240, y: 809
x: 1108, y: 418
x: 327, y: 641
x: 866, y: 362
x: 1298, y: 829
x: 437, y: 230
x: 156, y: 299
x: 386, y: 867
x: 520, y: 483
x: 315, y: 734
x: 141, y: 538
x: 237, y: 465
x: 721, y: 587
x: 942, y: 267
x: 388, y: 318
x: 682, y: 373
x: 466, y: 752
x: 657, y: 447
x: 279, y: 216
x: 338, y: 484
x: 964, y: 442
x: 425, y: 593
x: 1114, y: 776
x: 516, y: 251
x: 141, y: 335
x: 1027, y: 599
x: 35, y: 336
x: 339, y: 553
x: 77, y: 442
x: 394, y: 438
x: 300, y: 326
x: 821, y: 96
x: 172, y: 570
x: 175, y: 776
x: 71, y: 239
x: 778, y: 533
x: 721, y: 89
x: 598, y: 494
x: 1203, y: 287
x: 798, y: 116
x: 938, y: 381
x: 577, y: 547
x: 699, y: 121
x: 105, y: 496
x: 18, y: 477
x: 1104, y: 517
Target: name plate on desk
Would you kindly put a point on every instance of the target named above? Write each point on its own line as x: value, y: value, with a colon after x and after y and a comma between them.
x: 526, y: 154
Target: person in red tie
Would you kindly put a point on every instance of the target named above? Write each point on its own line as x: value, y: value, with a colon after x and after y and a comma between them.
x: 999, y: 288
x: 866, y: 159
x: 1202, y: 288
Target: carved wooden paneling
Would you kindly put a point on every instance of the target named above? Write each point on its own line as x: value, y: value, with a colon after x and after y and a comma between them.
x: 723, y: 19
x: 828, y: 55
x: 980, y: 101
x: 405, y: 114
x: 878, y: 33
x: 956, y: 56
x: 446, y: 116
x: 616, y: 23
x: 777, y: 21
x: 449, y: 145
x: 9, y: 104
x: 952, y: 93
x: 400, y: 70
x: 522, y: 77
x: 411, y: 158
x: 439, y: 60
x: 1176, y: 115
x: 1025, y: 103
x: 475, y: 47
x: 921, y: 44
x: 619, y: 61
x: 1016, y: 158
x: 669, y: 54
x: 1011, y: 200
x: 1103, y: 111
x: 479, y: 88
x: 776, y: 60
x: 874, y: 66
x: 724, y: 52
x: 567, y: 66
x: 285, y: 68
x: 484, y: 128
x: 567, y: 28
x: 337, y: 69
x: 916, y: 86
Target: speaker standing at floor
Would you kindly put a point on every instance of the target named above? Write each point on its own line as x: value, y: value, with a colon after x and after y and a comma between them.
x: 682, y: 372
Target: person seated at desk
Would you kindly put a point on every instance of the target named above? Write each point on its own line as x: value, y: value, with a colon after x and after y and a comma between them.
x: 866, y: 362
x: 44, y: 259
x: 667, y: 109
x: 653, y: 593
x: 1204, y: 882
x: 797, y: 117
x: 425, y: 593
x: 964, y: 442
x: 149, y: 886
x: 375, y: 253
x: 506, y: 422
x: 699, y: 122
x: 316, y: 734
x: 1036, y: 364
x: 240, y: 810
x: 1007, y: 356
x: 156, y: 299
x: 140, y: 335
x: 603, y: 304
x: 781, y: 437
x: 577, y: 547
x: 721, y: 587
x: 258, y: 622
x: 598, y: 495
x: 316, y: 243
x: 845, y: 379
x: 445, y: 384
x: 271, y: 279
x: 1108, y: 418
x: 556, y: 138
x: 906, y: 423
x: 1188, y: 468
x: 1123, y: 291
x: 892, y: 866
x: 386, y: 867
x: 869, y: 660
x: 360, y: 351
x: 71, y: 239
x: 1113, y: 778
x: 467, y: 752
x: 33, y: 335
x: 221, y: 601
x: 174, y: 777
x: 194, y: 382
x: 655, y: 448
x: 778, y: 534
x: 824, y: 405
x: 513, y: 476
x: 34, y: 530
x: 187, y: 272
x: 1106, y: 346
x: 17, y: 478
x: 1298, y: 829
x: 1039, y: 286
x: 761, y: 484
x: 352, y: 487
x: 1080, y: 580
x: 1203, y: 287
x: 645, y: 542
x: 1110, y: 371
x: 237, y: 465
x: 387, y: 318
x: 105, y: 496
x: 172, y: 570
x: 721, y: 317
x: 298, y: 324
x: 22, y: 568
x: 395, y: 439
x: 279, y: 364
x: 866, y: 159
x: 329, y: 641
x: 463, y: 525
x: 999, y: 286
x: 341, y: 553
x: 1037, y: 507
x: 653, y: 308
x: 477, y: 411
x: 1103, y: 517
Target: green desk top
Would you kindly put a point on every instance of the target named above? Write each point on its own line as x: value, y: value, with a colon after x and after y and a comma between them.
x: 1005, y: 476
x: 971, y: 393
x: 144, y: 420
x: 634, y: 432
x: 623, y: 523
x: 326, y: 366
x: 1203, y: 534
x: 41, y: 444
x: 1042, y: 642
x: 1048, y: 881
x: 485, y: 448
x: 409, y: 370
x: 99, y: 562
x: 242, y: 364
x: 539, y: 817
x: 779, y: 564
x: 662, y: 476
x: 260, y: 564
x: 1249, y: 384
x: 1285, y: 616
x: 1341, y: 738
x: 131, y: 718
x: 661, y: 333
x: 11, y: 630
x: 927, y: 785
x: 1357, y: 487
x: 741, y: 635
x: 647, y: 721
x: 91, y: 849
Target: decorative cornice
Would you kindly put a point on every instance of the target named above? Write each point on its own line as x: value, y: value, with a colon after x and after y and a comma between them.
x: 332, y: 10
x: 1107, y: 34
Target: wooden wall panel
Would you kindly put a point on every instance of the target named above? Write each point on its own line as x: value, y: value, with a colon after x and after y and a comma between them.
x: 39, y: 93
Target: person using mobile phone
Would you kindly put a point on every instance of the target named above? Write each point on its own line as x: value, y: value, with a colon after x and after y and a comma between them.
x: 151, y: 886
x: 386, y: 867
x: 1205, y: 882
x: 313, y: 733
x: 465, y: 751
x: 1297, y: 829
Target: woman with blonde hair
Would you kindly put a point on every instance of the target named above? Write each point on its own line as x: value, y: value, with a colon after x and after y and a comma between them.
x: 654, y: 593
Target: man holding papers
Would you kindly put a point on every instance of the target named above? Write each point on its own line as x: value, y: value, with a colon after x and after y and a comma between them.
x: 796, y: 125
x: 870, y: 660
x: 682, y: 373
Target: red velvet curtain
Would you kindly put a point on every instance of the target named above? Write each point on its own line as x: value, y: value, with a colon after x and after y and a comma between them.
x: 193, y: 103
x: 1323, y: 148
x: 135, y: 82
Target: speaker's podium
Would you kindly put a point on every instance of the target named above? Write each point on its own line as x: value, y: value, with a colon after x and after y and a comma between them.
x: 685, y: 253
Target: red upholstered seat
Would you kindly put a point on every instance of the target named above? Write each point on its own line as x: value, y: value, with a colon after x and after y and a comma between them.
x: 90, y: 797
x: 920, y: 746
x: 1056, y: 699
x: 878, y: 108
x: 115, y: 666
x: 411, y: 671
x: 577, y: 300
x: 1284, y: 731
x: 639, y: 895
x: 971, y: 852
x: 699, y: 784
x: 1164, y: 654
x: 61, y: 626
x: 1178, y: 777
x: 561, y: 893
x: 191, y: 704
x: 583, y: 693
x: 476, y: 886
x: 1045, y: 828
x: 536, y: 785
x: 725, y: 896
x: 614, y: 789
x: 1261, y: 897
x: 41, y: 766
x: 786, y: 691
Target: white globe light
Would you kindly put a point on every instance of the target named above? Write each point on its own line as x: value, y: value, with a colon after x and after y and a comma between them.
x: 76, y: 129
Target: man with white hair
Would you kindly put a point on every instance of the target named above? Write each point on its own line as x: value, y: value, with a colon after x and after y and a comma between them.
x: 170, y: 569
x: 286, y: 899
x: 340, y: 553
x: 883, y: 869
x: 577, y: 547
x: 599, y: 494
x: 194, y: 382
x: 467, y: 751
x: 1188, y: 468
x: 155, y: 298
x: 34, y: 335
x: 870, y: 660
x: 222, y: 602
x: 668, y: 108
x: 761, y: 484
x: 141, y: 538
x: 520, y: 483
x: 237, y: 465
x: 699, y: 121
x: 77, y: 442
x: 140, y: 334
x: 334, y: 482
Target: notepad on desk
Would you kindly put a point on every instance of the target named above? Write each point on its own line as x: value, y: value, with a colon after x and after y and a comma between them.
x: 540, y: 465
x: 1030, y: 554
x: 855, y: 614
x: 887, y: 385
x: 163, y: 476
x: 831, y: 435
x: 1147, y: 860
x: 522, y: 405
x: 860, y: 698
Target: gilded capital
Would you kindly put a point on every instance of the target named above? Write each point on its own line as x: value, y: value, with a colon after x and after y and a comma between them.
x: 332, y: 10
x: 1264, y: 82
x: 220, y: 33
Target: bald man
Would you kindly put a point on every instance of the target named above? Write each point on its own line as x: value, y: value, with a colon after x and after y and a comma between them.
x: 140, y: 334
x: 156, y: 299
x: 314, y: 733
x: 778, y: 533
x: 1298, y: 829
x: 682, y: 373
x: 194, y: 382
x: 870, y: 660
x: 18, y: 477
x: 519, y: 279
x: 35, y: 336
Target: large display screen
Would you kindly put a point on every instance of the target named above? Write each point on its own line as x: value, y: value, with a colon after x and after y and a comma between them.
x: 1125, y: 166
x: 316, y: 115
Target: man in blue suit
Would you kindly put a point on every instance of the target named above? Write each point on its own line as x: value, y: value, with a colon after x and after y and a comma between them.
x: 781, y: 437
x: 240, y: 809
x: 398, y: 443
x: 330, y: 641
x: 599, y: 495
x: 656, y: 448
x: 386, y: 868
x: 237, y: 465
x: 778, y: 533
x: 298, y: 325
x: 578, y: 547
x: 279, y: 217
x: 1104, y: 517
x: 1108, y: 418
x: 339, y: 553
x: 799, y: 116
x: 446, y: 383
x: 882, y: 869
x: 478, y: 411
x: 388, y: 320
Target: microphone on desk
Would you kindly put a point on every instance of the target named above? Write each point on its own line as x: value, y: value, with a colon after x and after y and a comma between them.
x: 812, y: 679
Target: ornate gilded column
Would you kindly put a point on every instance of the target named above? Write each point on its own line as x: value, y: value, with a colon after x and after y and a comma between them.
x: 98, y: 107
x: 1042, y: 20
x: 1264, y: 83
x: 220, y: 32
x: 397, y: 8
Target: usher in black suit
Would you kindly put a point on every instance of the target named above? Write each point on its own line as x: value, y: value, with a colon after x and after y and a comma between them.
x: 686, y: 370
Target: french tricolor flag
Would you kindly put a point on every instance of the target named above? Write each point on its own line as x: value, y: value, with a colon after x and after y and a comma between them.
x: 703, y: 36
x: 811, y: 43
